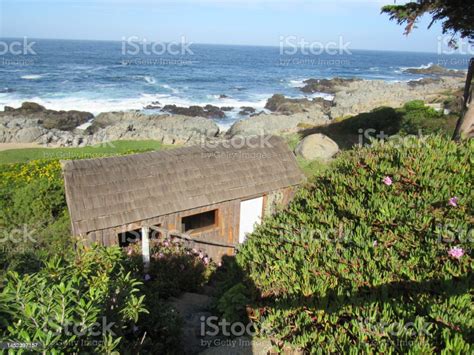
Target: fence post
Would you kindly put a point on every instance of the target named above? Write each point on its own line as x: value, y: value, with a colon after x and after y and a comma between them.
x: 146, y: 247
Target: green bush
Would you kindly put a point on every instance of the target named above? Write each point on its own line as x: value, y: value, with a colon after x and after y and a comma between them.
x: 87, y: 304
x: 232, y: 304
x: 414, y: 118
x: 174, y: 268
x: 33, y: 214
x: 418, y: 118
x: 359, y: 262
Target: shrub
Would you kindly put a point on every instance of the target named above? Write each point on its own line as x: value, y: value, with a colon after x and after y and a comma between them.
x: 33, y: 214
x: 414, y: 118
x: 174, y: 268
x: 362, y: 263
x: 232, y: 304
x: 418, y: 118
x: 87, y: 304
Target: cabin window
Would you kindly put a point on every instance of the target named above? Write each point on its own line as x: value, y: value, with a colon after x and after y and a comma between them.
x: 129, y: 237
x: 199, y: 221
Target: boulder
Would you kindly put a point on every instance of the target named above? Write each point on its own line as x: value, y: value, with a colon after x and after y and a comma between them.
x: 317, y: 146
x: 28, y: 135
x: 276, y: 123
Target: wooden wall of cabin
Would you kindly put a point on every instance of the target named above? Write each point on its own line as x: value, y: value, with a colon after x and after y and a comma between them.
x: 226, y: 230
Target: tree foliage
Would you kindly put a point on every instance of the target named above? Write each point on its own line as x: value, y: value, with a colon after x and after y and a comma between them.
x: 457, y: 16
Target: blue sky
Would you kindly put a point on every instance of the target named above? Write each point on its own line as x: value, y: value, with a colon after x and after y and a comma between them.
x: 254, y: 22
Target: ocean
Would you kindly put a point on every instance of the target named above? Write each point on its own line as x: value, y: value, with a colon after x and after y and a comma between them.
x: 99, y: 76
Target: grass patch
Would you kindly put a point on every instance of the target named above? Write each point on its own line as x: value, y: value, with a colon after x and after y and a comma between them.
x: 105, y: 149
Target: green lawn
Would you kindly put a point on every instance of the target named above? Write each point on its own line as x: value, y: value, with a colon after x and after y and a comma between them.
x: 110, y: 148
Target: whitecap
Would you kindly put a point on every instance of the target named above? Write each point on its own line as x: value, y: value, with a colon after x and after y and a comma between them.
x: 149, y: 79
x: 32, y: 77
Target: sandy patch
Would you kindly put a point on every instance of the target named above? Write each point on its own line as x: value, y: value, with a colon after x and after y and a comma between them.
x: 8, y: 146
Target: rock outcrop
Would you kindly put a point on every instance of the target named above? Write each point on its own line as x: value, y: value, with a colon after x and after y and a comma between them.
x: 435, y: 70
x: 276, y: 123
x: 364, y: 96
x: 48, y: 119
x: 329, y: 86
x: 208, y: 111
x: 317, y: 147
x: 33, y: 123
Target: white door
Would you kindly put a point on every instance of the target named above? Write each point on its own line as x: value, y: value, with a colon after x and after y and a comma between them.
x: 250, y: 213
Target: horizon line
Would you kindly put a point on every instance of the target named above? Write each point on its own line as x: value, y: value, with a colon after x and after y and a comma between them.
x: 225, y: 44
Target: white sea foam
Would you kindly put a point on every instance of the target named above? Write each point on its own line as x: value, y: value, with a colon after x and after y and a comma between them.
x: 31, y: 77
x: 149, y: 79
x: 98, y: 105
x: 423, y: 66
x: 297, y: 83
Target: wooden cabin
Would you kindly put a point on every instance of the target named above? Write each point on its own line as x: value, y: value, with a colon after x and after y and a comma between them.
x: 211, y: 195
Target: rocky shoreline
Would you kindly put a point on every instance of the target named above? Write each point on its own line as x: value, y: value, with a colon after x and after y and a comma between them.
x: 32, y: 123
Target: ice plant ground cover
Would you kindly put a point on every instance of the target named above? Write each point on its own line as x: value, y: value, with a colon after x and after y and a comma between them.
x: 373, y: 255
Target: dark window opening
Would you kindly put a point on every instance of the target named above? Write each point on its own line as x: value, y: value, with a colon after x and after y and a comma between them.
x: 199, y: 221
x: 129, y: 237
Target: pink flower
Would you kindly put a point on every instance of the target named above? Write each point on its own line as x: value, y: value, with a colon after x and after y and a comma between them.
x: 453, y: 201
x: 375, y: 243
x: 456, y: 252
x: 387, y: 180
x: 129, y: 252
x: 206, y: 260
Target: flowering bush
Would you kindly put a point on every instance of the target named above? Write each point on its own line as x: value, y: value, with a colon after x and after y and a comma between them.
x: 33, y: 214
x: 174, y: 268
x: 374, y: 255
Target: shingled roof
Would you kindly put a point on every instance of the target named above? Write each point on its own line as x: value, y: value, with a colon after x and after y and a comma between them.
x: 114, y: 191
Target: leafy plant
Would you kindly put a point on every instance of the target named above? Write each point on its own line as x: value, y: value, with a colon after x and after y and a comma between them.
x: 87, y: 304
x: 374, y: 255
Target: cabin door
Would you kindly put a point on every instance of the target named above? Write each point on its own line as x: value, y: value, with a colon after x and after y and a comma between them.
x: 250, y: 214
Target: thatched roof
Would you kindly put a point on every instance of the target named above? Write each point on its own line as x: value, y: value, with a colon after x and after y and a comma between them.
x: 114, y: 191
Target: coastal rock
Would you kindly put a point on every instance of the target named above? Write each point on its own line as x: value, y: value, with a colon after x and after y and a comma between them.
x: 329, y: 86
x: 48, y: 119
x: 423, y: 82
x: 276, y: 124
x: 176, y: 129
x: 28, y: 135
x: 435, y: 70
x: 208, y: 111
x: 317, y: 146
x: 286, y: 106
x: 366, y: 95
x: 246, y: 110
